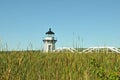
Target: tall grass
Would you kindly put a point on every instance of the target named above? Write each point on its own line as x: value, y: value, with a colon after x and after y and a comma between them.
x: 35, y: 65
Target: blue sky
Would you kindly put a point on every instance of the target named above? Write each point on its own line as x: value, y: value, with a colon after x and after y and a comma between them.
x: 82, y: 22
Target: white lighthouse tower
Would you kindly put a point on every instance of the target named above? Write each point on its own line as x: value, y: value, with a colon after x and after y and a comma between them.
x: 49, y: 41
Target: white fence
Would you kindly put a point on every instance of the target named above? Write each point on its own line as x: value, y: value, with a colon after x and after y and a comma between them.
x: 90, y: 49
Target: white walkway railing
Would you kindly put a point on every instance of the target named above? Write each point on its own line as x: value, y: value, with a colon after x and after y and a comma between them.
x: 106, y: 49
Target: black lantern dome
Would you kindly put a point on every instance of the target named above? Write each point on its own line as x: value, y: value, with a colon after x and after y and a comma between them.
x: 50, y: 32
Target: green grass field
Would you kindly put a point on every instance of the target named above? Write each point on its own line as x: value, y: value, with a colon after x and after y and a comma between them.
x: 35, y: 65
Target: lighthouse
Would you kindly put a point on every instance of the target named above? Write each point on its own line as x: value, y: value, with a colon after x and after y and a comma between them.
x: 49, y: 41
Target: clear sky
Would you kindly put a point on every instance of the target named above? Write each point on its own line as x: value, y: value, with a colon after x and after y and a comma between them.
x: 82, y: 22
